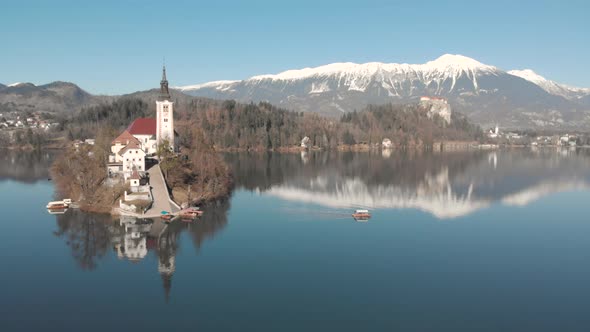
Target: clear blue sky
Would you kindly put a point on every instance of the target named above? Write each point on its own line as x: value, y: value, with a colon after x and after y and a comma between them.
x: 114, y: 47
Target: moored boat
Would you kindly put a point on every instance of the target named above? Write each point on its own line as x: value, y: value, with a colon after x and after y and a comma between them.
x: 57, y: 211
x: 190, y: 213
x: 59, y: 205
x: 166, y: 216
x: 361, y: 215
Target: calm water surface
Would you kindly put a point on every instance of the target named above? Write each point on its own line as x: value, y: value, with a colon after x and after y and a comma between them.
x: 482, y: 241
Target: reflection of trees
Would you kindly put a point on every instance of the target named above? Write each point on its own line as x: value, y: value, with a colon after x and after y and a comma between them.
x: 90, y: 235
x: 25, y: 166
x: 87, y: 235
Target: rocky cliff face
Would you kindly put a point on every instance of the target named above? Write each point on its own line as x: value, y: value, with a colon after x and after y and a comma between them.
x: 437, y: 106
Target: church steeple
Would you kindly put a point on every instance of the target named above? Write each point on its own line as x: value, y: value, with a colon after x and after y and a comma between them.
x: 164, y: 92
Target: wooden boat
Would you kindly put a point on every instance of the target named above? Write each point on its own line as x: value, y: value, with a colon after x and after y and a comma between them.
x: 361, y: 215
x: 190, y: 213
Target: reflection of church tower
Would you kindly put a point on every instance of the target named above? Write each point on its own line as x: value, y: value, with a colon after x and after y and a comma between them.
x: 167, y: 260
x: 164, y: 113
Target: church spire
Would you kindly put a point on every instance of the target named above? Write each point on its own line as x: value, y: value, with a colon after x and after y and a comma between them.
x: 164, y: 92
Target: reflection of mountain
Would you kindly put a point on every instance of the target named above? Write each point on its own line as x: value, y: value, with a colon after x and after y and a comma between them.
x: 90, y: 235
x: 445, y: 185
x: 25, y: 166
x: 440, y: 198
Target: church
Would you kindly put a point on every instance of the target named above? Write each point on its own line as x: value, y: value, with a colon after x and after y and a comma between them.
x: 141, y: 139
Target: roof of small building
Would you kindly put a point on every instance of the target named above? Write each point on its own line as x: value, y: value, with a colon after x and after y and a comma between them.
x: 125, y: 138
x: 132, y: 145
x: 143, y: 126
x: 134, y: 175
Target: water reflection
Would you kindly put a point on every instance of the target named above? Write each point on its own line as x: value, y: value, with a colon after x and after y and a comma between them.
x: 25, y: 166
x: 90, y: 236
x: 446, y: 185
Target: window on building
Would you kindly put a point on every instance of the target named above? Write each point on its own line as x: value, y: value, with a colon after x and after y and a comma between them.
x: 166, y: 120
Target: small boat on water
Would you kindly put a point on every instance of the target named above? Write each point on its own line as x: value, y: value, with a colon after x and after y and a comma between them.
x: 190, y: 213
x: 59, y: 205
x: 166, y: 216
x: 361, y: 215
x: 57, y: 211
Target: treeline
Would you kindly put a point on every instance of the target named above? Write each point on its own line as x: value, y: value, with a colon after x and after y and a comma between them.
x: 230, y: 125
x: 117, y: 115
x: 262, y: 126
x: 198, y: 174
x: 405, y: 125
x: 81, y: 175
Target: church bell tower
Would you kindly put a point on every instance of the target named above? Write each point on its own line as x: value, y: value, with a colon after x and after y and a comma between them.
x: 164, y: 114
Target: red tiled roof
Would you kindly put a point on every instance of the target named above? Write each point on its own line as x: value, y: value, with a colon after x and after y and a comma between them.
x: 125, y: 138
x: 143, y: 126
x: 132, y: 145
x: 134, y: 175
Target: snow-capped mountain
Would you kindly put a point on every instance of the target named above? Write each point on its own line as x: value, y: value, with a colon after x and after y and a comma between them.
x: 551, y: 87
x: 487, y: 94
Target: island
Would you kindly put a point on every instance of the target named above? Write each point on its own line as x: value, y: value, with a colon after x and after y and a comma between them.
x: 144, y: 170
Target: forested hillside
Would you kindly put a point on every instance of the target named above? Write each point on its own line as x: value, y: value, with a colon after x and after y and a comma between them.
x: 263, y: 126
x: 229, y: 125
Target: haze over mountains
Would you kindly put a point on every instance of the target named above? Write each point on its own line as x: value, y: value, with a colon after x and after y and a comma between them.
x: 486, y: 94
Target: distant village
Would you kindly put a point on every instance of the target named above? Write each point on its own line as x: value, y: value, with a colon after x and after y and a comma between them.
x: 535, y: 140
x: 15, y: 120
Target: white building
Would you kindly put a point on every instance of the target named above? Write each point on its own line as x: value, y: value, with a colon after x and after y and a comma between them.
x: 164, y: 114
x: 127, y: 155
x: 387, y: 144
x: 494, y: 133
x: 143, y: 135
x: 305, y: 142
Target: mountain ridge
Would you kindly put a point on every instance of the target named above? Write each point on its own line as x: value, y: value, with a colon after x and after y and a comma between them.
x: 485, y: 93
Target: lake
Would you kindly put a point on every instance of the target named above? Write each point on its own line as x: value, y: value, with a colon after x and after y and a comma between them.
x: 465, y: 241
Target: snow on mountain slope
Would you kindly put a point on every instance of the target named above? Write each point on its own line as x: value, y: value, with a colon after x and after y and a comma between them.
x: 487, y: 94
x: 214, y: 84
x: 358, y: 77
x: 16, y: 84
x: 551, y: 86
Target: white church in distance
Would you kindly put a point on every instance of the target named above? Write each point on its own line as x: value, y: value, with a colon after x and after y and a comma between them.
x: 142, y: 137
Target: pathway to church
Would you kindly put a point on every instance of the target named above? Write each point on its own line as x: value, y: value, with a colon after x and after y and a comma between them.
x: 160, y: 193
